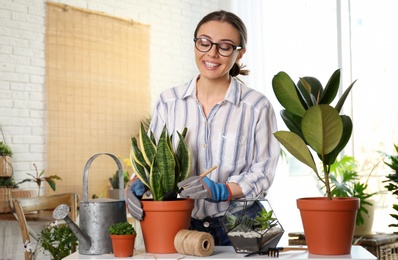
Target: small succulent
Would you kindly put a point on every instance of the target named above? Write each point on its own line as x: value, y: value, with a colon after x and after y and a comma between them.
x: 121, y: 228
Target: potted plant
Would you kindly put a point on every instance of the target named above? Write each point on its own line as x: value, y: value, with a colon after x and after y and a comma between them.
x: 317, y: 126
x: 392, y: 181
x: 251, y: 234
x: 160, y: 167
x: 346, y: 182
x: 38, y: 178
x: 123, y: 238
x: 114, y: 180
x: 5, y: 160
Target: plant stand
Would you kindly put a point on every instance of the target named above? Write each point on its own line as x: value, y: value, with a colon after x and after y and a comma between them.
x: 245, y: 232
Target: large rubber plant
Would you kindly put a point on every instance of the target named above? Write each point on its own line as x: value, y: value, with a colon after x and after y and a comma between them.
x: 158, y: 165
x: 313, y: 122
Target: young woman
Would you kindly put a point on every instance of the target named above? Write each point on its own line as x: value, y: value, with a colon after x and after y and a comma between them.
x: 229, y: 126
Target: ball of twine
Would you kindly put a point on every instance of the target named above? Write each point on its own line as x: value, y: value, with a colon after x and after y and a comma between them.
x: 196, y: 243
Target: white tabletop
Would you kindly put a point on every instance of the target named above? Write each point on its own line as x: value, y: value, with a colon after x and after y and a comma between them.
x: 226, y: 252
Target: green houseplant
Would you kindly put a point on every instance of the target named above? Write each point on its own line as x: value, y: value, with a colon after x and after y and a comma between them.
x: 123, y: 237
x: 317, y: 127
x: 392, y: 181
x: 114, y: 180
x: 160, y: 167
x: 346, y: 182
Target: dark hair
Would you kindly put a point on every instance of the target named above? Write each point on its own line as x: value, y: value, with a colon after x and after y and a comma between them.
x: 237, y: 23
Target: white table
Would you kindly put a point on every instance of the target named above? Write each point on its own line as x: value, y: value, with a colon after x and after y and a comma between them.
x: 226, y: 252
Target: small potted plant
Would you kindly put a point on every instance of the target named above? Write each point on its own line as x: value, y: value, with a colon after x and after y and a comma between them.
x: 114, y: 180
x: 5, y: 160
x: 38, y: 178
x: 160, y: 167
x: 251, y: 234
x: 318, y: 127
x: 123, y: 238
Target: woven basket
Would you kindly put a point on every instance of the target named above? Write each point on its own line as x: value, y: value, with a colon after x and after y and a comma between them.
x: 6, y: 194
x: 5, y: 166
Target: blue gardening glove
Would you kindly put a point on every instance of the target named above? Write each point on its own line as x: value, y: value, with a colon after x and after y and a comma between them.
x: 134, y: 195
x: 197, y: 187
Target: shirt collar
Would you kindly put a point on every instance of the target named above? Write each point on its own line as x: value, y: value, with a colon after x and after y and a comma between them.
x: 233, y: 94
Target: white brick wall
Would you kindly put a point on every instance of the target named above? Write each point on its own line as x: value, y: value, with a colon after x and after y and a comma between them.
x: 22, y: 62
x: 22, y: 68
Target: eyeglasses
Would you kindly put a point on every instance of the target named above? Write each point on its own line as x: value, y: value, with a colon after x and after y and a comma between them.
x: 223, y: 48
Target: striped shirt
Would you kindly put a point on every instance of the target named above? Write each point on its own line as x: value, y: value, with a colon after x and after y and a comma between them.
x: 237, y: 137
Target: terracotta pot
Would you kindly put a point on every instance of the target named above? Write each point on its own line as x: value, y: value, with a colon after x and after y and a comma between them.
x: 328, y: 224
x: 123, y: 245
x: 162, y: 221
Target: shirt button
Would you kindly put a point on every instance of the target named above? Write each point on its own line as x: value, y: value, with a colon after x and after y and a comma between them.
x: 206, y: 224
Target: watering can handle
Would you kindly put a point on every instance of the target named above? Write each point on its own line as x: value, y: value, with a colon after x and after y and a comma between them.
x: 120, y: 173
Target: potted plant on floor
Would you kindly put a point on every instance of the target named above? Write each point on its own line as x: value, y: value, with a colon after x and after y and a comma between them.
x: 160, y: 167
x: 123, y: 238
x: 316, y: 125
x: 346, y: 182
x: 392, y: 181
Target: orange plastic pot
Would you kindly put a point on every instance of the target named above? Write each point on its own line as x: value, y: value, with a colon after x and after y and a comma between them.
x: 162, y: 221
x: 328, y: 224
x: 123, y: 245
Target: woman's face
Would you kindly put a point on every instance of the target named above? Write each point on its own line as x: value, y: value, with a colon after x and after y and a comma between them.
x: 211, y: 64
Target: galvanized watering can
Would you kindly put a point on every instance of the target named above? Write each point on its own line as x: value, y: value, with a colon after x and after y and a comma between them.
x: 96, y: 215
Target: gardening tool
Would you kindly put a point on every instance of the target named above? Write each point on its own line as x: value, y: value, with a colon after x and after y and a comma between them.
x: 96, y: 215
x: 274, y: 251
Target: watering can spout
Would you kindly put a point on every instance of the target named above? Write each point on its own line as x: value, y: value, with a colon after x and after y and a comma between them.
x: 61, y: 212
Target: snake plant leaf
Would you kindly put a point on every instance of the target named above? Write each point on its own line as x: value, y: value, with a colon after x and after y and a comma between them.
x: 347, y: 131
x: 331, y: 88
x: 295, y: 145
x: 342, y: 99
x: 138, y: 162
x: 147, y: 146
x: 326, y: 137
x: 156, y: 181
x: 286, y: 93
x: 165, y: 161
x: 182, y: 156
x: 292, y: 121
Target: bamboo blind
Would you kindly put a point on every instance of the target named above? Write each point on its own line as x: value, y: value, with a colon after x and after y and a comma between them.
x: 97, y: 87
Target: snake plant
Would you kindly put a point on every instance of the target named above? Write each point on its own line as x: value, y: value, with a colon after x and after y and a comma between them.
x: 312, y: 120
x: 158, y: 165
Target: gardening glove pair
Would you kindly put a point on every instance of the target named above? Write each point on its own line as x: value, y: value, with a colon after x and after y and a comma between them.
x: 197, y: 187
x: 134, y: 196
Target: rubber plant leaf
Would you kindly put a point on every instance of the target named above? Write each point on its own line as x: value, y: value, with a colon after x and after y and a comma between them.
x: 343, y: 97
x: 292, y: 121
x: 331, y: 88
x: 324, y: 138
x: 286, y: 93
x: 313, y: 89
x: 347, y: 131
x: 297, y: 147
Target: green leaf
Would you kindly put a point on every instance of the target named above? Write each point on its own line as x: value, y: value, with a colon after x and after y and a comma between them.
x: 286, y: 93
x: 139, y: 163
x: 293, y: 122
x: 313, y: 89
x: 183, y: 155
x: 343, y: 97
x: 156, y: 181
x: 331, y: 88
x: 165, y: 161
x: 322, y: 128
x: 147, y: 146
x: 51, y: 183
x: 297, y: 147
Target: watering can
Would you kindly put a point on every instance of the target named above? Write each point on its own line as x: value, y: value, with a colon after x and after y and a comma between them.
x: 96, y: 215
